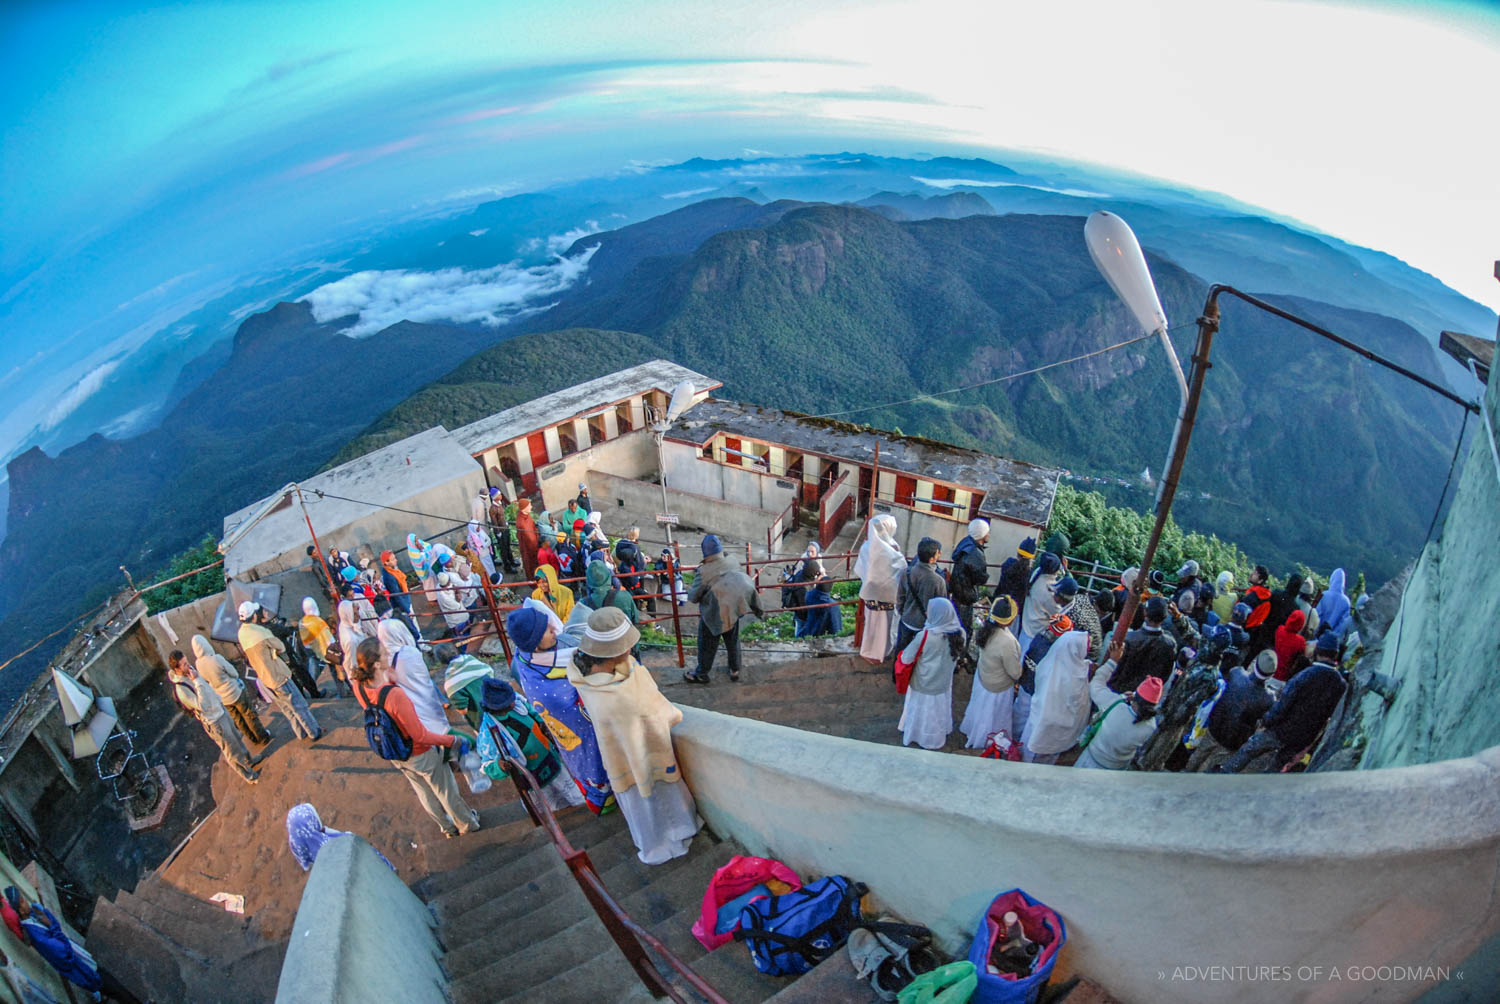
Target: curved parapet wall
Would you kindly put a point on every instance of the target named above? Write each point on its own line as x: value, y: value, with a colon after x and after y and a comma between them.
x: 1174, y: 887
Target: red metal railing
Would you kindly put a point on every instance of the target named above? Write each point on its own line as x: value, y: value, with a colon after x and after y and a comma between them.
x: 630, y: 937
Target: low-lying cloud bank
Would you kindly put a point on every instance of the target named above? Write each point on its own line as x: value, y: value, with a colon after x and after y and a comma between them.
x: 488, y: 296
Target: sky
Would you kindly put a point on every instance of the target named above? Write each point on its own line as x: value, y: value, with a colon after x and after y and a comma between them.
x: 153, y: 157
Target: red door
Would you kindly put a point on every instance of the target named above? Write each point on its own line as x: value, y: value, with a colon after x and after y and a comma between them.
x: 537, y: 444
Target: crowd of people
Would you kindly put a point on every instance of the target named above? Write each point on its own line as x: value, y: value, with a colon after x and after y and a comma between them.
x: 1206, y: 677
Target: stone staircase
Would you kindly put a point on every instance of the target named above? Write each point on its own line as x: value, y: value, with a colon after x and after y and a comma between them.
x: 516, y: 926
x: 167, y: 945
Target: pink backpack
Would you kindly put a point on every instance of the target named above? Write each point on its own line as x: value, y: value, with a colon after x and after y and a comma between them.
x: 735, y: 879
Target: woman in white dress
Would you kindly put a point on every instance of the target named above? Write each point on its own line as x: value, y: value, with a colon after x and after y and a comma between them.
x: 879, y: 564
x: 633, y: 726
x: 927, y: 715
x: 999, y: 671
x: 1060, y: 709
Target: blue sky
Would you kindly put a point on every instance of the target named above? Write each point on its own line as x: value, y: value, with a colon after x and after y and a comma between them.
x: 153, y: 157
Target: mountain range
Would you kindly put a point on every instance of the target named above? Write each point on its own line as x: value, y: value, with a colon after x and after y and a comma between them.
x: 820, y: 284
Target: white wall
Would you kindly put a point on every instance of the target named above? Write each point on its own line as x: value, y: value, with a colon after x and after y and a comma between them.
x: 1150, y: 872
x: 688, y: 472
x: 728, y: 520
x: 632, y: 455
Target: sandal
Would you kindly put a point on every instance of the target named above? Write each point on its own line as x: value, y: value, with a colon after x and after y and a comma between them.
x: 909, y: 944
x: 694, y: 678
x: 874, y: 962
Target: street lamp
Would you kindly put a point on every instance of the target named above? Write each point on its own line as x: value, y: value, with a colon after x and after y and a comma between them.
x: 1118, y: 256
x: 682, y: 397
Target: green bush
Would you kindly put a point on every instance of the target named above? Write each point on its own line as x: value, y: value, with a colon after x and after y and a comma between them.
x: 205, y: 583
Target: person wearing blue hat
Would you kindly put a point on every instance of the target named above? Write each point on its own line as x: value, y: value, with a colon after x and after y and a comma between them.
x: 508, y: 729
x: 1015, y: 575
x: 540, y: 662
x: 724, y: 595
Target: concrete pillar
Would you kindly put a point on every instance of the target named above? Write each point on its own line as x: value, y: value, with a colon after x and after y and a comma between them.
x: 611, y: 424
x: 64, y: 763
x: 637, y: 413
x: 581, y: 434
x: 522, y: 454
x: 554, y: 445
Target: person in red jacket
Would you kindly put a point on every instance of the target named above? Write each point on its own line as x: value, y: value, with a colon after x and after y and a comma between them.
x: 425, y: 769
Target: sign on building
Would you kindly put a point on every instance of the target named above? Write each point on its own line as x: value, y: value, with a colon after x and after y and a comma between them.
x: 668, y: 518
x: 551, y: 471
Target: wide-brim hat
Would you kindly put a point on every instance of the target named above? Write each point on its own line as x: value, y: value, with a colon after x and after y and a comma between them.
x: 609, y: 634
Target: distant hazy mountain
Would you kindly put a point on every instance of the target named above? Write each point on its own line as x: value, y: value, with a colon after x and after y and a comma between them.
x: 911, y: 206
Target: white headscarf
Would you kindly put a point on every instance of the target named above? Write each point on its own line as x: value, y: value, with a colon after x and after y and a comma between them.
x: 1060, y: 709
x: 880, y: 562
x: 350, y: 632
x: 1225, y: 582
x: 942, y: 618
x: 408, y: 670
x: 310, y: 607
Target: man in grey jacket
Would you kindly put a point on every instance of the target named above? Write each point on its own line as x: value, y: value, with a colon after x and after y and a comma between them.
x: 724, y: 594
x: 919, y: 583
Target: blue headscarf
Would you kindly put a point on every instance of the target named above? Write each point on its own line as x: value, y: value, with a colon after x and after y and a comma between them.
x: 307, y: 835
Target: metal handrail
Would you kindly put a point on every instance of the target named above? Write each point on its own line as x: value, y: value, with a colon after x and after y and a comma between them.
x: 627, y: 934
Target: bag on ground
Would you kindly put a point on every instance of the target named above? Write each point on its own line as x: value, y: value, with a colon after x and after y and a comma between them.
x: 1041, y: 924
x: 739, y: 878
x: 788, y: 935
x: 950, y: 984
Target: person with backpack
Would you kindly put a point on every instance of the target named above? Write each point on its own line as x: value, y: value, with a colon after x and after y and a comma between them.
x: 264, y: 651
x: 508, y: 730
x: 463, y: 681
x: 1123, y: 722
x: 633, y: 723
x: 1149, y: 651
x: 396, y: 733
x: 1300, y: 714
x: 807, y: 568
x: 602, y: 591
x: 199, y: 699
x: 969, y: 573
x: 544, y: 648
x: 630, y: 566
x: 407, y: 668
x: 225, y: 679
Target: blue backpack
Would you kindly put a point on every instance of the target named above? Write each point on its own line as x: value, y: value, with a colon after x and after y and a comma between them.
x: 791, y: 933
x: 386, y: 740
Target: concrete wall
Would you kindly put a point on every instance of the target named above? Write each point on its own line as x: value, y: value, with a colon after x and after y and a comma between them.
x: 187, y: 620
x: 728, y: 520
x: 446, y: 505
x: 360, y: 935
x: 1151, y: 872
x: 633, y: 455
x: 912, y: 525
x: 23, y: 955
x: 1443, y: 645
x: 689, y: 472
x: 123, y: 666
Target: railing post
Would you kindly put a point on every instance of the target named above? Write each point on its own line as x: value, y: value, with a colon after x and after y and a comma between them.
x: 859, y: 623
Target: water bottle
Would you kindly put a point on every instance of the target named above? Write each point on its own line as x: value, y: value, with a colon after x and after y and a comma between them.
x: 472, y: 767
x: 1015, y: 953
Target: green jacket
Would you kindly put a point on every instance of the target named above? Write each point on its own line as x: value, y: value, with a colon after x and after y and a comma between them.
x: 600, y: 587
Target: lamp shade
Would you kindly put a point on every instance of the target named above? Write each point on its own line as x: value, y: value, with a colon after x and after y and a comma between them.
x: 682, y: 396
x: 1117, y: 254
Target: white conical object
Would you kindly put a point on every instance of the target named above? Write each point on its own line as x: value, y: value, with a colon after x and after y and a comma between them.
x: 75, y: 698
x: 682, y: 397
x: 89, y: 739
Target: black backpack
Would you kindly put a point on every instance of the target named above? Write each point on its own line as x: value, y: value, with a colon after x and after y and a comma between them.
x: 385, y: 738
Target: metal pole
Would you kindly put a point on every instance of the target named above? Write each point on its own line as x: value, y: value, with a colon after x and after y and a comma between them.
x: 1207, y: 325
x: 672, y: 600
x: 317, y: 548
x: 489, y: 596
x: 661, y: 468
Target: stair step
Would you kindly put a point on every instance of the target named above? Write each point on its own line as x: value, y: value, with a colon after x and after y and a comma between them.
x: 729, y: 971
x: 498, y: 825
x: 536, y: 964
x: 541, y: 891
x: 831, y: 981
x: 513, y: 869
x: 210, y: 942
x: 589, y: 981
x: 515, y: 932
x: 134, y: 954
x: 482, y: 858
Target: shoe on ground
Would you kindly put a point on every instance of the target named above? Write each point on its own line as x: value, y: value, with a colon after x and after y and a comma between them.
x: 734, y: 676
x: 695, y: 678
x: 873, y: 962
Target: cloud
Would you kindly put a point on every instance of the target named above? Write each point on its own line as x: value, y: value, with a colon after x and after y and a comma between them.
x: 480, y: 232
x: 160, y: 289
x: 689, y: 193
x: 72, y: 399
x: 490, y: 296
x: 947, y: 183
x: 559, y: 243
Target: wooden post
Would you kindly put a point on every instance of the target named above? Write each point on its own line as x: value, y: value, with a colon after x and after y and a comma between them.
x: 489, y: 596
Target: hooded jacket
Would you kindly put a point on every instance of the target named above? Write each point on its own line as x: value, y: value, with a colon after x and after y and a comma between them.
x: 601, y: 586
x: 724, y: 594
x: 969, y: 572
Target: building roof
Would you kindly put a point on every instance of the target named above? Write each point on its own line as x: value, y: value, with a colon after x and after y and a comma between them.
x: 1465, y: 347
x: 388, y: 476
x: 577, y: 401
x: 1013, y: 489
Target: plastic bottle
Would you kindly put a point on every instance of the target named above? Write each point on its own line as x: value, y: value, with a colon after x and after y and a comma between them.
x: 1014, y: 953
x: 472, y: 767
